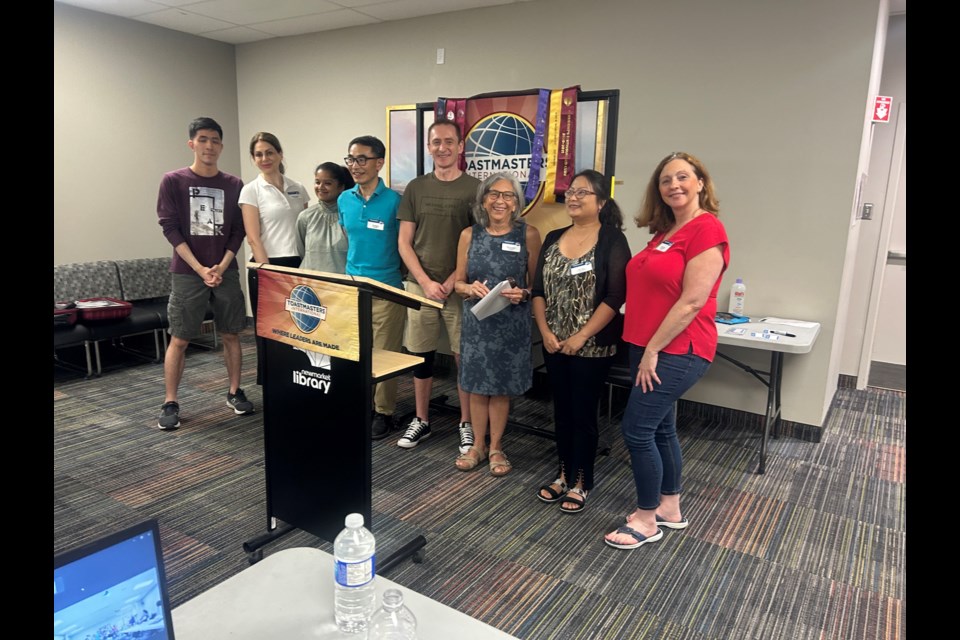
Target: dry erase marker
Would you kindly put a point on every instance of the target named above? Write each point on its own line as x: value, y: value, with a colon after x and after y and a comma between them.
x: 780, y: 333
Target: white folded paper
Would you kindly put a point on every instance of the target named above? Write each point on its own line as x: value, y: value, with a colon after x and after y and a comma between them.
x: 492, y: 302
x: 790, y: 323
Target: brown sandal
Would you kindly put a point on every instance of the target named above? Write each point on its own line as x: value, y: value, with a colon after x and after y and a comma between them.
x: 505, y: 466
x: 468, y: 462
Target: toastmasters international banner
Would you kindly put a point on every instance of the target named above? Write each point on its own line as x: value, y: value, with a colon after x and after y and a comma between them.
x: 310, y: 314
x: 530, y: 135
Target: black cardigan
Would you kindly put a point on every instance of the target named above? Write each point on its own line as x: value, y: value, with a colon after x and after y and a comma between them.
x: 610, y: 263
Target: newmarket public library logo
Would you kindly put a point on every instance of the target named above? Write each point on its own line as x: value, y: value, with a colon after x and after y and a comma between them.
x: 502, y: 142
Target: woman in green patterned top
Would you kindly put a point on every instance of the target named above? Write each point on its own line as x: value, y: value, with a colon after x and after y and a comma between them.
x: 578, y: 289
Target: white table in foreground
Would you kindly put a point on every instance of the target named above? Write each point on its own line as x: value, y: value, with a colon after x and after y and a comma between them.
x: 289, y: 595
x: 751, y: 337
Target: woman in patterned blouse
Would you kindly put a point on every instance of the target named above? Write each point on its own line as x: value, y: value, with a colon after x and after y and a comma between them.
x: 579, y: 287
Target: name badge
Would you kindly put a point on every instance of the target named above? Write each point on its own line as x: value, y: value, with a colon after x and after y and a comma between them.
x: 375, y: 224
x: 293, y: 193
x: 663, y: 246
x: 581, y: 267
x: 512, y: 247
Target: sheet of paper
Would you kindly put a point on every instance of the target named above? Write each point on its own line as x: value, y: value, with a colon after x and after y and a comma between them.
x: 492, y: 302
x: 790, y: 323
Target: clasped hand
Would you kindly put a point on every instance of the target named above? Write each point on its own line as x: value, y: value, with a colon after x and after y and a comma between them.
x: 211, y: 276
x: 568, y: 347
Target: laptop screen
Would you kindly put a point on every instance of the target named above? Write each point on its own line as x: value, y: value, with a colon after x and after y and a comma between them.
x: 114, y: 587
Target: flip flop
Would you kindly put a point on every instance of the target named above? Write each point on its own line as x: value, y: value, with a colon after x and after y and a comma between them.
x: 636, y: 535
x: 682, y: 524
x: 505, y: 464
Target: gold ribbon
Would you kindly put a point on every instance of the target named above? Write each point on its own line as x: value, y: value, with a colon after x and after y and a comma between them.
x: 553, y: 146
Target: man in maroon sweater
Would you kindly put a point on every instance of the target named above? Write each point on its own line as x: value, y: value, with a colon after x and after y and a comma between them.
x: 200, y: 216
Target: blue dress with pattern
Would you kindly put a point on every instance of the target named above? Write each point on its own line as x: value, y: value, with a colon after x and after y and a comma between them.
x: 495, y: 355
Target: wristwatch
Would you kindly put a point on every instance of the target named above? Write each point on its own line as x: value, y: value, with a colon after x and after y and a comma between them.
x: 525, y: 296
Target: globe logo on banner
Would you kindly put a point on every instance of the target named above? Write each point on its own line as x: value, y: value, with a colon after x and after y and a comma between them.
x: 498, y: 143
x: 305, y: 308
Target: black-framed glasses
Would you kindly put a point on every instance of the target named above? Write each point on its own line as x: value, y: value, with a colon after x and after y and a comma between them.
x: 579, y: 193
x: 360, y: 160
x: 508, y: 196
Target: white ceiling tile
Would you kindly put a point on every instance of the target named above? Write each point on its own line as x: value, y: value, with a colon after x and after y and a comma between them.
x: 175, y: 3
x: 122, y: 8
x: 401, y: 9
x: 237, y: 35
x: 248, y: 12
x: 284, y: 17
x: 311, y: 24
x: 353, y: 4
x: 179, y: 20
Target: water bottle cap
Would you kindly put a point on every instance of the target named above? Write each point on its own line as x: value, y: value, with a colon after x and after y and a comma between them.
x: 353, y: 520
x: 739, y: 280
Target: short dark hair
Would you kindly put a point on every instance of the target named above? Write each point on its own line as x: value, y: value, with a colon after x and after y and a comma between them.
x: 370, y: 141
x: 339, y: 172
x: 204, y: 122
x: 444, y: 121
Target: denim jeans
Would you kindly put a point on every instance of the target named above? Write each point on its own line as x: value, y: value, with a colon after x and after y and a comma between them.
x: 650, y: 425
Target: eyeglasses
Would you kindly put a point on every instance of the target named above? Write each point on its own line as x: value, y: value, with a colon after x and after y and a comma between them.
x: 360, y: 160
x: 579, y: 193
x: 508, y: 196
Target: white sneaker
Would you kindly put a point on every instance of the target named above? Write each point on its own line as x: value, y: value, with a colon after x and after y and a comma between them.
x: 417, y: 431
x: 466, y: 436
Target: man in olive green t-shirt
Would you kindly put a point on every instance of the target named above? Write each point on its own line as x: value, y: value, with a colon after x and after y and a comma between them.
x: 434, y: 209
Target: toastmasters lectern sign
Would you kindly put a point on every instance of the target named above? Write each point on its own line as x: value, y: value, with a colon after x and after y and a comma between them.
x: 310, y: 314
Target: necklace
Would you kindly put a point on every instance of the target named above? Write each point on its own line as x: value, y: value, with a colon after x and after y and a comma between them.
x: 589, y: 233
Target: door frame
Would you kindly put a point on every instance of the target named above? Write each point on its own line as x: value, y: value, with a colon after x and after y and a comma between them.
x: 897, y: 158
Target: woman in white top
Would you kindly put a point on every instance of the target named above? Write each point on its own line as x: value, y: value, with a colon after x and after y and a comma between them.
x: 270, y: 206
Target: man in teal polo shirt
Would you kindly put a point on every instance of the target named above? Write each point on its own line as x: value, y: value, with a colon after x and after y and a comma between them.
x: 368, y: 213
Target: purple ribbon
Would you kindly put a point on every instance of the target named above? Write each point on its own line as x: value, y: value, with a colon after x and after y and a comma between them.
x: 536, y: 153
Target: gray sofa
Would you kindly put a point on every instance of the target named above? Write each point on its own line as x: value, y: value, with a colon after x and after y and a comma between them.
x: 144, y: 282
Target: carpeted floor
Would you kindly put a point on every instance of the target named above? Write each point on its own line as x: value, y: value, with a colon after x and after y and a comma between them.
x: 813, y: 549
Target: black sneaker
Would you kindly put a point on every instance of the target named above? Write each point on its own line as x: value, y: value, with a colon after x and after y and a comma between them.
x: 239, y: 403
x: 169, y: 416
x: 381, y: 426
x: 466, y: 436
x: 417, y: 431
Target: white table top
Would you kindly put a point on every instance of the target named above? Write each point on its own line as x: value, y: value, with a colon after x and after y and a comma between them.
x: 752, y: 336
x: 289, y: 595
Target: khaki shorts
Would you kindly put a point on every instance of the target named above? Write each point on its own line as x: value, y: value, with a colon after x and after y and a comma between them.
x: 423, y: 326
x: 189, y: 298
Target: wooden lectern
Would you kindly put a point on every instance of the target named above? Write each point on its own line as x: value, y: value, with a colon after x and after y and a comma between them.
x: 317, y: 392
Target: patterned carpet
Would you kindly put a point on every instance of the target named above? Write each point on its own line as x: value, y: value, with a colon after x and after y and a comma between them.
x: 813, y: 549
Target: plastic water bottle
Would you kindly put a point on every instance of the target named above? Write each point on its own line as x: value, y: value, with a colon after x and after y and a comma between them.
x: 738, y: 293
x: 354, y: 556
x: 393, y: 621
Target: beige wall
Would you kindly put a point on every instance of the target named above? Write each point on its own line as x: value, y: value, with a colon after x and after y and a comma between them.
x: 123, y: 95
x: 771, y: 95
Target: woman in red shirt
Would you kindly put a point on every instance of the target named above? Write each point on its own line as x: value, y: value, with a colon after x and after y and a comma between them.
x: 671, y: 303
